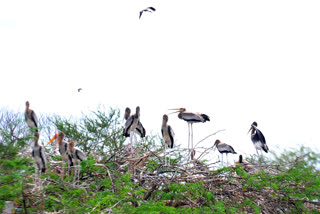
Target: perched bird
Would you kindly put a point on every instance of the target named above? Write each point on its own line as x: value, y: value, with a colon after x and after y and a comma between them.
x: 139, y: 129
x: 224, y: 148
x: 191, y: 118
x: 258, y: 139
x: 39, y: 155
x: 76, y: 156
x: 79, y: 89
x: 167, y: 134
x: 31, y: 118
x: 247, y: 166
x: 148, y: 9
x: 133, y: 125
x: 63, y: 147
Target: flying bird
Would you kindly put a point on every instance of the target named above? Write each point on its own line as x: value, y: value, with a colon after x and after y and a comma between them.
x: 167, y: 134
x: 31, y: 118
x: 79, y: 89
x: 224, y: 148
x: 148, y: 9
x: 191, y: 118
x: 39, y: 155
x: 258, y: 139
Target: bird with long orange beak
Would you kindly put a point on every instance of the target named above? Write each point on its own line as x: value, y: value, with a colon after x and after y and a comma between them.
x: 258, y: 139
x: 191, y: 118
x: 63, y: 147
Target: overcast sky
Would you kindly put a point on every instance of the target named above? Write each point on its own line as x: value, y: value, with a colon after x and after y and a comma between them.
x: 236, y: 61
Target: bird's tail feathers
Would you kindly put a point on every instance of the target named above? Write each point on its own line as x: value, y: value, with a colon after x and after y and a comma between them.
x: 205, y: 117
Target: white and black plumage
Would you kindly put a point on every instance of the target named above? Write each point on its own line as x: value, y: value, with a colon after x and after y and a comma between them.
x: 148, y: 9
x: 167, y: 134
x: 258, y: 139
x: 63, y: 147
x: 76, y: 156
x: 39, y: 155
x: 31, y: 118
x: 191, y: 118
x: 224, y: 148
x: 133, y: 124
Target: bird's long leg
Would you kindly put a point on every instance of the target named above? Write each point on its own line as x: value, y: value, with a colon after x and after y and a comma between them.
x: 227, y: 159
x: 131, y: 143
x: 191, y: 137
x: 222, y: 159
x: 165, y: 154
x: 188, y: 138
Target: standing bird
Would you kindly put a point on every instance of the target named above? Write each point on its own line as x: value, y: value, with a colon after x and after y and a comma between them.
x: 167, y: 134
x: 39, y: 155
x: 133, y: 125
x: 224, y: 148
x: 191, y: 118
x: 31, y: 118
x: 258, y: 139
x: 63, y: 147
x: 148, y: 9
x: 139, y: 127
x: 75, y: 156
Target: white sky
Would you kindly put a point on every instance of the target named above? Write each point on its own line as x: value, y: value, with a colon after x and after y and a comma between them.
x: 237, y: 61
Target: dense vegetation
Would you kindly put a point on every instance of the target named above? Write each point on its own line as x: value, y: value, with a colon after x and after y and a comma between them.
x: 114, y: 181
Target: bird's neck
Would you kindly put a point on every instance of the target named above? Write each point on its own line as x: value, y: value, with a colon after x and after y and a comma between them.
x: 27, y: 109
x: 36, y: 143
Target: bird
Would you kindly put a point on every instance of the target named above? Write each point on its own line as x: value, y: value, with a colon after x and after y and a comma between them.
x: 224, y: 148
x: 148, y: 9
x: 39, y: 155
x: 191, y: 118
x: 31, y: 118
x: 247, y: 166
x: 258, y: 139
x: 167, y: 134
x: 79, y: 89
x: 63, y: 147
x: 75, y: 156
x: 132, y: 126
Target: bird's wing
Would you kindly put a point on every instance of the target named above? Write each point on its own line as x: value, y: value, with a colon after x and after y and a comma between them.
x: 127, y: 125
x: 80, y: 155
x: 171, y: 132
x: 140, y: 129
x: 192, y: 117
x: 260, y: 135
x: 152, y: 8
x: 25, y: 116
x: 34, y: 118
x: 171, y: 135
x: 140, y: 14
x: 43, y: 156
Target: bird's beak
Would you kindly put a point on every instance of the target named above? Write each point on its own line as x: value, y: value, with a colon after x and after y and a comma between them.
x: 176, y: 110
x: 55, y: 136
x: 249, y: 130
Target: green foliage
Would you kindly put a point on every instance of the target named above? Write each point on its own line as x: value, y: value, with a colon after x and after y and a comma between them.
x: 289, y: 180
